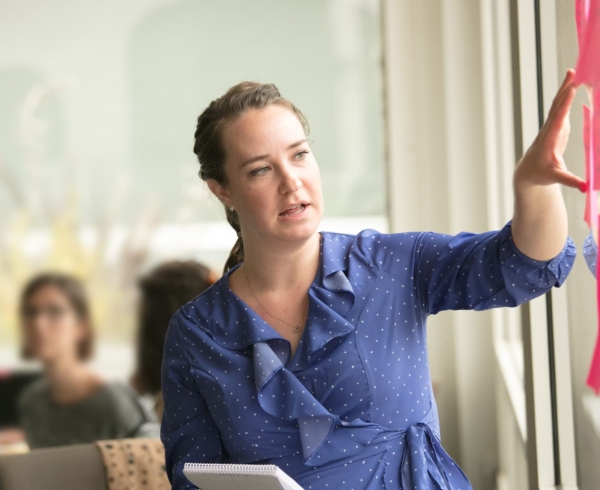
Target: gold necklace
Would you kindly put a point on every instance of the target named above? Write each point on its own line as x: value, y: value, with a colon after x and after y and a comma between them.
x: 296, y: 327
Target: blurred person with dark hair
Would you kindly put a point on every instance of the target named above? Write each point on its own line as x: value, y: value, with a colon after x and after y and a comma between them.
x: 70, y: 404
x: 163, y: 291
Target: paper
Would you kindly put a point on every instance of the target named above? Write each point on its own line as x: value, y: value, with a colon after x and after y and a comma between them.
x: 590, y: 202
x: 209, y: 476
x: 587, y: 18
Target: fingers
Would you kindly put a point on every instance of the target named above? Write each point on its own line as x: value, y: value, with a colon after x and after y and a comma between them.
x: 568, y: 80
x: 564, y: 90
x: 560, y: 110
x: 564, y: 104
x: 565, y: 177
x: 569, y: 77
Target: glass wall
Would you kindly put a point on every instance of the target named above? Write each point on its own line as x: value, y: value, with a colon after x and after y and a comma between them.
x: 582, y: 286
x: 98, y: 102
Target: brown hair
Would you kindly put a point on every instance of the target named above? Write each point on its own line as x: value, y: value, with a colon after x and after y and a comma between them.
x: 73, y: 289
x: 163, y: 291
x: 209, y: 147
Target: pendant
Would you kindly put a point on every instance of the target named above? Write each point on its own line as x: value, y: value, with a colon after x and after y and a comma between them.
x: 297, y: 328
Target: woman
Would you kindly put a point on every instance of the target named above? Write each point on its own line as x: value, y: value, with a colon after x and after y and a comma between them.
x: 163, y: 290
x: 310, y: 352
x: 70, y: 404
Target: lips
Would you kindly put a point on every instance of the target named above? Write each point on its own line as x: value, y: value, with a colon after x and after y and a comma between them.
x: 294, y: 209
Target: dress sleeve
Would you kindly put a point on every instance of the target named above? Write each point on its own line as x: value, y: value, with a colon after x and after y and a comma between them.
x: 188, y: 431
x: 590, y: 253
x: 483, y: 271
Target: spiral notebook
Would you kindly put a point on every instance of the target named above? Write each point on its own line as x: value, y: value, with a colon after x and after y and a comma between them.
x: 211, y: 476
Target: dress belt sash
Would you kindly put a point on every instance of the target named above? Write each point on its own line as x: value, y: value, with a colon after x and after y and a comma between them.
x: 325, y: 438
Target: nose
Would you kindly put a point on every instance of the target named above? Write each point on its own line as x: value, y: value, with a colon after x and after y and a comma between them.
x: 290, y: 180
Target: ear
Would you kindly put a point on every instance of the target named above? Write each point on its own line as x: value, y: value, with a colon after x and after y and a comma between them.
x: 220, y: 191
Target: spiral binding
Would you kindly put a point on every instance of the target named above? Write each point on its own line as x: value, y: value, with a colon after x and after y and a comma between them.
x: 231, y: 469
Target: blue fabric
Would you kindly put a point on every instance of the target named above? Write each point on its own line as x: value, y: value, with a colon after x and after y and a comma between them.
x: 590, y: 253
x: 354, y: 407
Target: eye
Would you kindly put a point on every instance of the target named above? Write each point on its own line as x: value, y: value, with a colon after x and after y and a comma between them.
x: 259, y: 171
x: 56, y: 312
x: 301, y: 155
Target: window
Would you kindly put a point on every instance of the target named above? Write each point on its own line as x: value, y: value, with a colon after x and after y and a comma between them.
x: 581, y: 299
x: 98, y: 108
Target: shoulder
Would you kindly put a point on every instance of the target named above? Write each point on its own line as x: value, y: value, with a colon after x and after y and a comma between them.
x: 369, y: 250
x: 203, y: 305
x: 119, y: 393
x: 199, y: 323
x: 374, y: 239
x: 196, y: 315
x: 376, y: 246
x: 33, y: 394
x: 124, y: 404
x: 198, y: 311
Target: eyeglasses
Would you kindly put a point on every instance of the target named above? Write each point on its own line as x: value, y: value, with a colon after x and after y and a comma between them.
x: 52, y: 312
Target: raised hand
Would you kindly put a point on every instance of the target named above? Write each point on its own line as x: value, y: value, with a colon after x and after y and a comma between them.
x: 543, y: 163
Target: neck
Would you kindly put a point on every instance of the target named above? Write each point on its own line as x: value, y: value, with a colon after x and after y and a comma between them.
x: 64, y: 373
x: 277, y: 267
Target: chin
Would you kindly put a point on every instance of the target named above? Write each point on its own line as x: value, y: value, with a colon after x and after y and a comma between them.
x: 43, y: 355
x: 299, y: 232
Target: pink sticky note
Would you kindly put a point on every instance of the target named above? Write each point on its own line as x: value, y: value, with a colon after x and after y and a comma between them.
x: 587, y: 17
x: 587, y: 121
x: 595, y: 135
x: 581, y: 14
x: 593, y: 379
x: 588, y: 65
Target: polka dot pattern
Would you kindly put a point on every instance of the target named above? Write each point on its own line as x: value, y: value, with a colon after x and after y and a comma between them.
x: 134, y: 464
x: 590, y: 253
x: 354, y: 406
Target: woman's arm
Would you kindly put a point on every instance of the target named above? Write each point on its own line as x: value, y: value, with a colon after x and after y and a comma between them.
x: 539, y: 225
x: 464, y: 272
x: 496, y: 269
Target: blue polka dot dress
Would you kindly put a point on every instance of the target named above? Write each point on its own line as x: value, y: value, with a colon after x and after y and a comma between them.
x: 354, y: 407
x: 590, y: 253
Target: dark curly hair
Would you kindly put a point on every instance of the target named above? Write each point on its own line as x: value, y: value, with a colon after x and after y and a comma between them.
x: 163, y: 291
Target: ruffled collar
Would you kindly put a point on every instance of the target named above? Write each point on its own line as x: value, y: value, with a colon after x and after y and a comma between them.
x: 235, y: 326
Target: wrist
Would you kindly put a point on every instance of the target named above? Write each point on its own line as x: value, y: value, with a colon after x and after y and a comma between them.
x: 528, y: 180
x: 523, y: 184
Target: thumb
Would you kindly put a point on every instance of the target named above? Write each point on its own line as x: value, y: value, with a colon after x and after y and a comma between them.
x: 565, y: 177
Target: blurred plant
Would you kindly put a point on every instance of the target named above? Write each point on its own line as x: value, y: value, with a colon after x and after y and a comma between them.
x: 44, y: 231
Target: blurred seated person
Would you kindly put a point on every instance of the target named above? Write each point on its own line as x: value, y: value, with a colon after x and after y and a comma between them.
x: 163, y: 291
x: 12, y: 383
x: 70, y: 404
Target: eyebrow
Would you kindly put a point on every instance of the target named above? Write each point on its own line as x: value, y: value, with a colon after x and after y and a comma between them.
x: 265, y: 156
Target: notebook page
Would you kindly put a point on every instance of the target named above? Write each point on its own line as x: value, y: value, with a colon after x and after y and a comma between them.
x: 286, y: 481
x: 236, y: 482
x: 209, y: 476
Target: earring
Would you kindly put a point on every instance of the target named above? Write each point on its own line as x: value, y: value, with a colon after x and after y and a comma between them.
x: 231, y: 209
